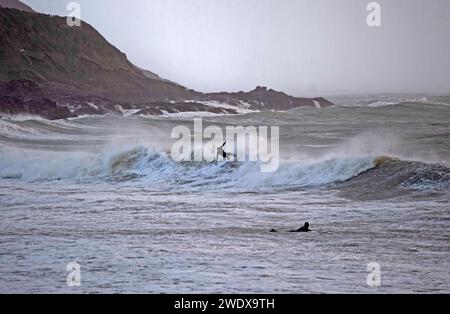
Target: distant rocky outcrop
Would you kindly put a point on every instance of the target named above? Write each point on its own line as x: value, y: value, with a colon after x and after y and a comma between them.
x: 77, y: 69
x: 262, y: 98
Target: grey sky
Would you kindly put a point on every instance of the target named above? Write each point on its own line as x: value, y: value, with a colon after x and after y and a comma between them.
x: 298, y: 46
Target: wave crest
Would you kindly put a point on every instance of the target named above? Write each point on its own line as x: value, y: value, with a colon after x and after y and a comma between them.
x: 155, y: 166
x: 360, y: 175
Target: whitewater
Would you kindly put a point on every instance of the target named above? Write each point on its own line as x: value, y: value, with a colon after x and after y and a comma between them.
x: 371, y: 176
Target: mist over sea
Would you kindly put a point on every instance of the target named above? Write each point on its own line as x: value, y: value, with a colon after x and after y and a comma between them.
x: 371, y: 176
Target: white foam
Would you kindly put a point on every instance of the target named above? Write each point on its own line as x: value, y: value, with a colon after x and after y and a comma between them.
x: 187, y: 114
x: 91, y: 104
x: 382, y: 104
x: 127, y: 112
x: 242, y: 108
x: 21, y: 117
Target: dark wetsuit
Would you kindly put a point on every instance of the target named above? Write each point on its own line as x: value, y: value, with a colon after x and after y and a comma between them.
x: 305, y: 228
x: 222, y: 153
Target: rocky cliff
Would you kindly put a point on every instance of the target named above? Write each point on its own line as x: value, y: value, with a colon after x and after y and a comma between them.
x: 77, y: 69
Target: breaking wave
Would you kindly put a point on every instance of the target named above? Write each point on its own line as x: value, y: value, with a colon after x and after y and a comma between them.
x: 155, y: 167
x: 414, y: 102
x: 396, y: 177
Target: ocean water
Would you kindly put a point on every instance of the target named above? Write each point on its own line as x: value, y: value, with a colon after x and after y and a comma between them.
x: 372, y: 177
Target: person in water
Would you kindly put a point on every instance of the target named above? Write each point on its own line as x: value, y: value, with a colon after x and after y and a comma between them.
x: 221, y: 152
x: 305, y: 228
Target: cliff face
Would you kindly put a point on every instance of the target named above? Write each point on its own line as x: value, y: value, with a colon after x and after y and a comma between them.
x: 77, y: 69
x: 76, y: 60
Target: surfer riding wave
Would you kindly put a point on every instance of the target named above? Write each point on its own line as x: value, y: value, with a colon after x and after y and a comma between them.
x: 221, y: 152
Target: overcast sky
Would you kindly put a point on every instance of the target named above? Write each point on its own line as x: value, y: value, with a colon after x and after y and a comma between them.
x: 303, y: 47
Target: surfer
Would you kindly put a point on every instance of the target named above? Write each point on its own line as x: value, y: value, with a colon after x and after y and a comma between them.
x: 305, y: 228
x: 221, y: 152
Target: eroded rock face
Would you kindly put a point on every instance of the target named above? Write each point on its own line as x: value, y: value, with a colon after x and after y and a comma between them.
x: 20, y: 88
x: 24, y: 96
